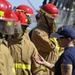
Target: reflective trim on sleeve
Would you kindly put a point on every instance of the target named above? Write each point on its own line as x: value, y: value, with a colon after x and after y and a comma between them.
x: 23, y: 66
x: 13, y: 70
x: 57, y: 46
x: 44, y: 68
x: 54, y: 40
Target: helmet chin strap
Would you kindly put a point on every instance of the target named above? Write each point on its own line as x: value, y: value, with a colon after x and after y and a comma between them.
x: 49, y: 27
x: 17, y: 35
x: 3, y: 36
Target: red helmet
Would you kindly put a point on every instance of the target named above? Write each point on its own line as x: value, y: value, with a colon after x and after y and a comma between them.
x: 22, y: 18
x: 50, y: 10
x: 28, y: 10
x: 14, y: 16
x: 9, y: 6
x: 6, y: 21
x: 5, y: 8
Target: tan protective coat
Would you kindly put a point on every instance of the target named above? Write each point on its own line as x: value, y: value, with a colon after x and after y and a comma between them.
x: 6, y: 61
x: 45, y: 46
x: 23, y: 51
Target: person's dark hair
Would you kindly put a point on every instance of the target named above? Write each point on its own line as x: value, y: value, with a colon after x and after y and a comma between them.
x: 37, y: 16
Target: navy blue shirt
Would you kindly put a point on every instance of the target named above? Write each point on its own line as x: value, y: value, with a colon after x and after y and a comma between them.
x: 68, y: 57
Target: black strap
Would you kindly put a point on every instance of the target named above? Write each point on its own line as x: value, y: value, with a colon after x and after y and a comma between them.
x: 49, y: 27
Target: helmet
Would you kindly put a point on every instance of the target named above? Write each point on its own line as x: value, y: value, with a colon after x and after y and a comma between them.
x: 5, y: 9
x: 50, y: 10
x: 17, y: 25
x: 14, y: 16
x: 38, y: 11
x: 6, y: 23
x: 22, y: 18
x: 28, y: 11
x: 23, y: 21
x: 9, y: 9
x: 24, y: 8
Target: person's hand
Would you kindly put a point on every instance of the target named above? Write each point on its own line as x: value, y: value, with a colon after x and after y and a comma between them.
x: 40, y: 60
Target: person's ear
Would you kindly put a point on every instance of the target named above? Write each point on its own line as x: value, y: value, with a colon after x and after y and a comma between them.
x: 69, y: 39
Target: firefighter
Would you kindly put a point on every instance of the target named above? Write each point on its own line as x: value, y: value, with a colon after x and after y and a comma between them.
x: 27, y: 10
x: 47, y: 46
x: 23, y: 50
x: 37, y: 20
x: 6, y: 28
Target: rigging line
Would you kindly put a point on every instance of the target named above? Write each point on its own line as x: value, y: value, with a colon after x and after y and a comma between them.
x: 32, y: 5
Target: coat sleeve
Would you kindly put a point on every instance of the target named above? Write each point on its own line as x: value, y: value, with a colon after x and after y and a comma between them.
x: 1, y: 64
x: 6, y: 62
x: 42, y: 41
x: 35, y: 67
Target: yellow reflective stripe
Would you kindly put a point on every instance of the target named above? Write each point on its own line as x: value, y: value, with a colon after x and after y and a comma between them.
x: 54, y: 39
x: 60, y: 53
x: 9, y: 23
x: 49, y: 15
x: 57, y: 46
x: 44, y: 68
x: 23, y: 12
x: 28, y: 14
x: 23, y: 66
x: 1, y: 13
x: 13, y: 70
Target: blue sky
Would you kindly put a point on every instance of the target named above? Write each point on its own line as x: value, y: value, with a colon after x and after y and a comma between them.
x: 35, y: 3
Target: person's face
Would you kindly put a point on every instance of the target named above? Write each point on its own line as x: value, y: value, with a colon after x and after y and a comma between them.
x: 7, y: 26
x: 62, y: 41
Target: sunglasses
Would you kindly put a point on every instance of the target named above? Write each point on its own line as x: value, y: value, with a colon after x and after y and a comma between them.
x: 61, y: 38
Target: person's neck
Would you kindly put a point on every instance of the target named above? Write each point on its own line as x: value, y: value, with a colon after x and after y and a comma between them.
x: 70, y: 45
